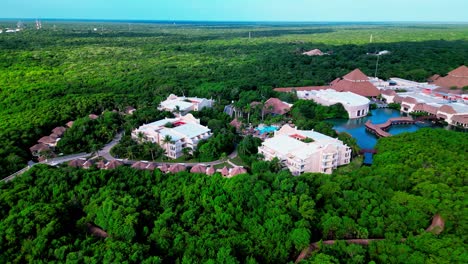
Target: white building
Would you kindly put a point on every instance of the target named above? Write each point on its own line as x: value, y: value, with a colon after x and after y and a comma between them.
x: 356, y: 105
x: 183, y: 132
x: 183, y: 104
x: 305, y: 151
x: 453, y: 112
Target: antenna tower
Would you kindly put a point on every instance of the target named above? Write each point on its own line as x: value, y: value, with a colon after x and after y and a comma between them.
x: 377, y: 65
x: 38, y: 24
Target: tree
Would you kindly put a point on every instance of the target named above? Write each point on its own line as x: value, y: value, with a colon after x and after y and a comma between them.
x: 166, y: 141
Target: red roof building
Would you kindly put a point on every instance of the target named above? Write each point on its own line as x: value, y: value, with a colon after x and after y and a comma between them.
x: 198, y: 169
x: 276, y: 106
x: 59, y: 131
x: 356, y: 82
x: 457, y: 78
x: 177, y: 168
x: 38, y: 148
x: 304, y: 88
x: 210, y: 171
x: 237, y: 170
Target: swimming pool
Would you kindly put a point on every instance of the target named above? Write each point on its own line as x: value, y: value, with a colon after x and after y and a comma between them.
x: 266, y: 129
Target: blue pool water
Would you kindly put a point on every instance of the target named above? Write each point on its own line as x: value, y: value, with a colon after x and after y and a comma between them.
x: 266, y: 129
x: 367, y: 140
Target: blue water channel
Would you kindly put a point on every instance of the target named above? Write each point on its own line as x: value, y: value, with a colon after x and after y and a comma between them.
x: 367, y: 140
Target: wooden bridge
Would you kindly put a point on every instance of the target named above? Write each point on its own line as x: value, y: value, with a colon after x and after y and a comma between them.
x: 372, y: 151
x: 379, y: 129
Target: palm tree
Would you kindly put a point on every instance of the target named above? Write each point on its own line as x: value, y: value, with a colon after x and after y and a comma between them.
x: 166, y: 141
x: 187, y: 153
x: 248, y: 108
x: 177, y: 110
x: 140, y: 137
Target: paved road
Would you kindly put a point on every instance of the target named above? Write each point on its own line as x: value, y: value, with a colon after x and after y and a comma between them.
x: 59, y: 160
x: 105, y: 152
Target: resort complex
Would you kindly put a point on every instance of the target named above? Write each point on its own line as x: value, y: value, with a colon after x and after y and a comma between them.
x: 355, y: 82
x: 184, y: 105
x: 305, y: 151
x: 356, y: 105
x: 173, y: 134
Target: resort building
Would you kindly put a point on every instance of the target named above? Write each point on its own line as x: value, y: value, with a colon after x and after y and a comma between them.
x: 314, y: 52
x: 453, y: 83
x: 357, y: 106
x: 356, y: 82
x: 276, y: 107
x: 305, y: 151
x: 183, y: 105
x: 173, y: 134
x: 451, y: 111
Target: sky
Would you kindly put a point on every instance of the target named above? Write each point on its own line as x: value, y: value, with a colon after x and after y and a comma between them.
x: 241, y: 10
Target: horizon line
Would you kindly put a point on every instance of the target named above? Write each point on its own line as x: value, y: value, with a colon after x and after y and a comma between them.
x: 235, y: 21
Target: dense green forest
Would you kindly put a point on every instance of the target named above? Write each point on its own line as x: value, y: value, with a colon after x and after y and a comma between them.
x: 266, y: 217
x: 67, y: 70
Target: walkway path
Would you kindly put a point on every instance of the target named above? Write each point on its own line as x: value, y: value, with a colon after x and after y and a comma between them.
x: 436, y: 227
x: 379, y: 129
x: 105, y: 153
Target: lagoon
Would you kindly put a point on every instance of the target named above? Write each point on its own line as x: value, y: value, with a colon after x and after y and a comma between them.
x: 367, y: 140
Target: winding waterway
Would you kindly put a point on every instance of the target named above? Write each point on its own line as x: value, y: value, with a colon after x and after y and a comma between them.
x: 367, y: 140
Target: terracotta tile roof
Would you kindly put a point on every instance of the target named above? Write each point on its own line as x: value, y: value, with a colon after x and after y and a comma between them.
x: 462, y: 119
x: 88, y: 164
x: 151, y: 166
x: 47, y: 140
x: 210, y: 171
x: 39, y: 147
x: 237, y: 170
x: 433, y: 77
x: 198, y: 169
x: 461, y: 71
x: 389, y: 92
x: 356, y: 75
x: 419, y: 107
x: 457, y: 78
x: 430, y: 109
x: 77, y: 163
x: 59, y: 131
x: 164, y: 168
x: 447, y: 109
x: 140, y: 165
x: 304, y: 88
x: 276, y: 106
x: 93, y: 116
x: 101, y: 164
x: 356, y: 82
x: 69, y: 124
x: 236, y: 123
x: 398, y: 99
x: 113, y: 164
x: 177, y: 168
x: 224, y: 171
x: 410, y: 100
